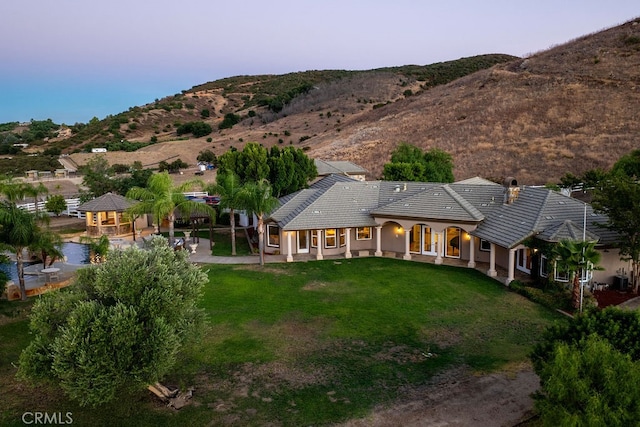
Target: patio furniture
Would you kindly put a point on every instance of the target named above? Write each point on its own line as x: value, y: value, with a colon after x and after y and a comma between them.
x: 51, y: 273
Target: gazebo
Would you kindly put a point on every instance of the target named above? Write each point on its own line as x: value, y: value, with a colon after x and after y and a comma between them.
x: 105, y: 215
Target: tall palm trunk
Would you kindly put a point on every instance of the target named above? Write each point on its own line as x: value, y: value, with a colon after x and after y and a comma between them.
x: 171, y: 218
x: 261, y: 239
x: 20, y: 267
x: 575, y: 294
x: 232, y: 220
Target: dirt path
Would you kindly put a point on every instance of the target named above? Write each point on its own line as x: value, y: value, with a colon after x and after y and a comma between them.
x: 460, y: 399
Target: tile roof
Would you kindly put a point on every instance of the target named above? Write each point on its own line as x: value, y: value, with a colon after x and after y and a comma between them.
x: 343, y: 204
x: 107, y: 203
x: 538, y: 211
x: 567, y: 230
x: 337, y: 201
x: 430, y: 201
x: 328, y: 167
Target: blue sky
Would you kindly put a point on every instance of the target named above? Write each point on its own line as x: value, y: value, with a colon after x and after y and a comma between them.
x: 71, y: 60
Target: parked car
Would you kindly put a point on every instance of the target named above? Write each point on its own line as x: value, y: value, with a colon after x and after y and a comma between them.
x: 212, y: 200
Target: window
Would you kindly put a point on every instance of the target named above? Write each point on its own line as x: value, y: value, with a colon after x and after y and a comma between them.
x: 563, y: 276
x: 414, y: 238
x: 330, y: 238
x: 343, y: 237
x: 314, y: 238
x: 560, y: 276
x: 273, y: 236
x: 544, y: 268
x: 523, y: 261
x: 363, y: 233
x: 485, y: 245
x: 452, y: 249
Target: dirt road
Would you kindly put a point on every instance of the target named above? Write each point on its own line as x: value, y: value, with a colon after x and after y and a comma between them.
x: 459, y: 399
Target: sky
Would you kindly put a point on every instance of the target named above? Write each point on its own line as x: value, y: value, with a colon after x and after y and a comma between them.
x: 72, y: 60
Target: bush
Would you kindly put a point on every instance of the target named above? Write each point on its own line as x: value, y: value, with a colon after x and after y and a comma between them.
x: 229, y: 121
x: 198, y: 129
x: 56, y: 204
x: 554, y: 298
x: 590, y: 384
x: 3, y: 281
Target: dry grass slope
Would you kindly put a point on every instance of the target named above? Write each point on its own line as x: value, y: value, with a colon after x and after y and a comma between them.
x: 571, y: 108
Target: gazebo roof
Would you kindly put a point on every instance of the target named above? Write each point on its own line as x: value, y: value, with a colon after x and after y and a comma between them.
x: 107, y: 203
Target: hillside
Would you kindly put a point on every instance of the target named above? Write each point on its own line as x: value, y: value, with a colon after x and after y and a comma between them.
x: 571, y: 108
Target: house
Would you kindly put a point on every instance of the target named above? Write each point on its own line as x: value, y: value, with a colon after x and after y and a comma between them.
x: 339, y: 167
x: 475, y: 221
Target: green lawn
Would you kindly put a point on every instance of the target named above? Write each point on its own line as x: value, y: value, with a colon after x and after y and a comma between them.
x: 315, y: 343
x: 222, y: 240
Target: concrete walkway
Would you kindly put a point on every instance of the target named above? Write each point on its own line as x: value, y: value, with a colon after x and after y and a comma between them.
x: 632, y: 304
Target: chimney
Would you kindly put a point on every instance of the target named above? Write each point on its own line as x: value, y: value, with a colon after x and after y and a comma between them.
x: 511, y: 190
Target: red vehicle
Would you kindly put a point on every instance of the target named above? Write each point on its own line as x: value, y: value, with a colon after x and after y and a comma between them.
x: 211, y: 200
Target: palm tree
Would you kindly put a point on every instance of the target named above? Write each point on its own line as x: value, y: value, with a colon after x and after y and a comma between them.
x: 576, y: 257
x: 162, y: 199
x: 256, y: 198
x: 35, y: 192
x: 48, y: 245
x: 98, y: 248
x: 229, y: 188
x: 18, y: 230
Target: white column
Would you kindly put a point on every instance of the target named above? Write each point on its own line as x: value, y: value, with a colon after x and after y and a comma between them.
x: 472, y: 252
x: 347, y: 254
x: 320, y: 241
x: 289, y: 251
x: 512, y: 266
x: 407, y: 238
x: 439, y: 247
x: 378, y: 241
x: 492, y: 262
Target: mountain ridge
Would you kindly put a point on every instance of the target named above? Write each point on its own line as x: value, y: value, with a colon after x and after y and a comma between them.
x: 570, y: 108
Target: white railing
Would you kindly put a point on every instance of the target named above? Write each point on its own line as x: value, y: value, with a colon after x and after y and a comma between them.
x: 72, y: 207
x: 196, y: 194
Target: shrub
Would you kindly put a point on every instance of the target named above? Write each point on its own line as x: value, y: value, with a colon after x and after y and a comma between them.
x: 555, y: 298
x: 229, y: 121
x: 56, y: 204
x: 3, y: 281
x: 198, y: 129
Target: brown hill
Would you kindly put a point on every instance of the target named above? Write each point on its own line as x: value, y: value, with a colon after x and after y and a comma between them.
x: 571, y: 108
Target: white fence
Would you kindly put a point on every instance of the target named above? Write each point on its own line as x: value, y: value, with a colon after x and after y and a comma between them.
x: 72, y: 208
x: 72, y: 205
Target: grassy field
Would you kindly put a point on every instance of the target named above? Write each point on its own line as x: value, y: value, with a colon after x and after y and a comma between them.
x: 313, y: 343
